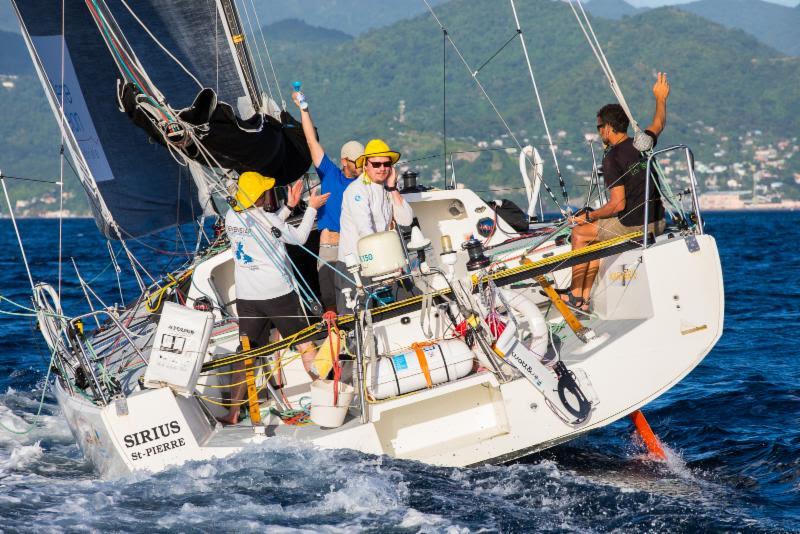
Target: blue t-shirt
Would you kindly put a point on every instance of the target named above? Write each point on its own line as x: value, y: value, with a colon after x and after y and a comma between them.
x: 334, y: 182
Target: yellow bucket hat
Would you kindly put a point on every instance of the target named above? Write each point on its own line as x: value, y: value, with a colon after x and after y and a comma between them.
x: 251, y: 186
x: 377, y: 148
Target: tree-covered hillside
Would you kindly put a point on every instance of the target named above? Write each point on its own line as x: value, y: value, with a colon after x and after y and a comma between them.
x: 388, y: 83
x: 722, y: 78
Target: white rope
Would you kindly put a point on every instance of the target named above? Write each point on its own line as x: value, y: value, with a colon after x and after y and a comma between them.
x: 594, y: 43
x: 258, y: 53
x: 164, y: 48
x: 266, y: 49
x: 269, y: 57
x: 474, y: 75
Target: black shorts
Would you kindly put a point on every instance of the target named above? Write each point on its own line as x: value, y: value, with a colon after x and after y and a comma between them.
x: 258, y: 317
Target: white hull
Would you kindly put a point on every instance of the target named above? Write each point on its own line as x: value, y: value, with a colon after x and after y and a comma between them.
x: 659, y: 317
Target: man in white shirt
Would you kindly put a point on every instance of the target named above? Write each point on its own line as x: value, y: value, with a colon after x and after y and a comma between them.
x: 265, y: 286
x: 370, y: 204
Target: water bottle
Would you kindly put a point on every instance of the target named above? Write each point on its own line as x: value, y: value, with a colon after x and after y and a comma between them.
x: 300, y: 96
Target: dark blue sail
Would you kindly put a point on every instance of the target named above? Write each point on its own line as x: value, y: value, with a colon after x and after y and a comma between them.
x: 135, y: 185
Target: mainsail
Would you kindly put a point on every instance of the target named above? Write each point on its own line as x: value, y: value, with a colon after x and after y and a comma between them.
x: 135, y: 187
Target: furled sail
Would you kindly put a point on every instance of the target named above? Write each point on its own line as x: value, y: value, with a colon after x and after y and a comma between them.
x: 135, y: 186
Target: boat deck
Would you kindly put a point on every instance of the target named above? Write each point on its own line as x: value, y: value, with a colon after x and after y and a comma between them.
x: 243, y: 432
x: 573, y: 350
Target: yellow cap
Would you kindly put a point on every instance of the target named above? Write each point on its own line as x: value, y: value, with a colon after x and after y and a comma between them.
x: 251, y: 186
x: 377, y: 148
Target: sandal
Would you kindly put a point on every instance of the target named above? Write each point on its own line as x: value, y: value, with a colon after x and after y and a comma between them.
x: 573, y: 301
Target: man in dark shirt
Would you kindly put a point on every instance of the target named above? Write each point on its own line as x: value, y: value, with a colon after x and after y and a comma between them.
x: 624, y: 171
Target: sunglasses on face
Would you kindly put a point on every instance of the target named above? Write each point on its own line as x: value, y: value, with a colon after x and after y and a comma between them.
x: 379, y: 164
x: 600, y: 127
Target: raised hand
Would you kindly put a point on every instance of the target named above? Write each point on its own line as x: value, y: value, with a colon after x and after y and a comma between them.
x: 316, y: 200
x: 661, y: 87
x: 296, y: 98
x: 293, y: 194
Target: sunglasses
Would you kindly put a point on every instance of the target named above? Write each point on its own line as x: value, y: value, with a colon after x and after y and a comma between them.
x: 600, y: 127
x: 379, y: 164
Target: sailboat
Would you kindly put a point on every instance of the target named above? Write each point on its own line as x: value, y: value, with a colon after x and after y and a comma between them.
x: 477, y: 361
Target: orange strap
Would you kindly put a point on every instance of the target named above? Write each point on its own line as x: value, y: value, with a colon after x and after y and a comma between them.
x: 570, y: 318
x: 423, y: 361
x: 252, y: 392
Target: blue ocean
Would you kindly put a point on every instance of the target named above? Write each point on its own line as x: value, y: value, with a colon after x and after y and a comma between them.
x: 732, y: 428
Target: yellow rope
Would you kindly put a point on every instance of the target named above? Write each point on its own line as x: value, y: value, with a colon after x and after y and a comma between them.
x: 159, y: 294
x: 343, y: 320
x: 557, y: 259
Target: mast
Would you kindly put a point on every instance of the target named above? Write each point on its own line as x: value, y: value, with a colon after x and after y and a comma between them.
x: 234, y: 31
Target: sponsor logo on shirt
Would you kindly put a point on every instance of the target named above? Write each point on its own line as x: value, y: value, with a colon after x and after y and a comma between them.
x: 241, y: 256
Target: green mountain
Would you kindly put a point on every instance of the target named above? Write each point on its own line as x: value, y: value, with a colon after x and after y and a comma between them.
x: 612, y: 9
x: 772, y: 24
x: 720, y: 77
x: 350, y: 16
x: 388, y: 83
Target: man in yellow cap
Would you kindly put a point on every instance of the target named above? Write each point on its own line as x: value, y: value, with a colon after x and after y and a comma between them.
x: 265, y: 286
x: 334, y: 180
x: 372, y: 203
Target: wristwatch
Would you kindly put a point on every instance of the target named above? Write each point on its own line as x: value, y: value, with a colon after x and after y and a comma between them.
x: 392, y: 188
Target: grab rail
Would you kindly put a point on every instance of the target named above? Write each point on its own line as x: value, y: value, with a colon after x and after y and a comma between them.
x: 123, y: 330
x: 692, y: 185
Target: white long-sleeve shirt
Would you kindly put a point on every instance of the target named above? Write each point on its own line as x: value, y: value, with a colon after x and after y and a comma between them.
x: 368, y: 208
x: 262, y: 269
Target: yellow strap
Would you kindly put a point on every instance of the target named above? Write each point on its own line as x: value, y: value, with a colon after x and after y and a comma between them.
x: 572, y: 321
x: 252, y: 392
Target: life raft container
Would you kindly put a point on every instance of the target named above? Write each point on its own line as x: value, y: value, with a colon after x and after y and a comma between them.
x: 419, y: 367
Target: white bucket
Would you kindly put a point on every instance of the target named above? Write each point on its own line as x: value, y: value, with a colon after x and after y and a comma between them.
x: 323, y: 411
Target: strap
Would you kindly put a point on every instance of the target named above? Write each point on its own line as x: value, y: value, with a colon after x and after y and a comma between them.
x: 425, y: 315
x: 444, y: 361
x: 252, y: 392
x: 423, y: 362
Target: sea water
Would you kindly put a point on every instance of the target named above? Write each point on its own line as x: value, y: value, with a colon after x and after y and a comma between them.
x: 732, y: 428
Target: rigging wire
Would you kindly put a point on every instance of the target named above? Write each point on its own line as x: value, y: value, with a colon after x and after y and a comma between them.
x: 541, y: 107
x: 16, y: 231
x: 269, y: 58
x: 258, y: 52
x: 588, y: 31
x: 61, y: 153
x: 474, y: 76
x: 160, y: 45
x: 444, y: 108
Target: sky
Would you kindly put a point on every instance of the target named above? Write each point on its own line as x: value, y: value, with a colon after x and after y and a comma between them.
x: 655, y: 3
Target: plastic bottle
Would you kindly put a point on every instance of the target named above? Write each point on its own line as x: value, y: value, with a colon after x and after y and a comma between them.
x: 300, y: 96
